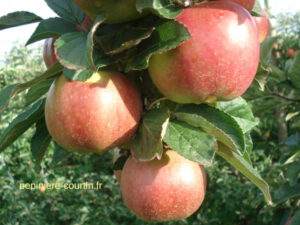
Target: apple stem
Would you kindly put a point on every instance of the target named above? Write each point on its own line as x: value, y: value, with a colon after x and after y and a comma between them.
x: 155, y: 102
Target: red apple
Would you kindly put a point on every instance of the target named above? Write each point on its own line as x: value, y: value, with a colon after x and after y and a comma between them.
x: 117, y: 11
x: 218, y: 62
x: 95, y: 115
x: 290, y: 52
x: 263, y: 26
x: 247, y: 4
x: 86, y: 24
x: 48, y: 52
x: 172, y: 188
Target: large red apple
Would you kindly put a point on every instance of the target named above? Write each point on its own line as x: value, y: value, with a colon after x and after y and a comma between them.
x: 263, y: 26
x: 218, y: 62
x: 247, y: 4
x: 172, y: 188
x: 117, y: 11
x: 95, y: 115
x: 48, y: 52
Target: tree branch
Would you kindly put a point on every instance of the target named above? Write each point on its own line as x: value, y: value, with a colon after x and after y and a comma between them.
x: 282, y: 96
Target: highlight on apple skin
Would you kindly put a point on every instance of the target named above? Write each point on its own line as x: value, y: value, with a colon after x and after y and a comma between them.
x: 95, y: 115
x: 171, y: 188
x: 218, y: 62
x: 263, y: 26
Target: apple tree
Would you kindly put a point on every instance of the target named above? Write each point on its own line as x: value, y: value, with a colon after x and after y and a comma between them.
x: 153, y: 79
x: 279, y: 93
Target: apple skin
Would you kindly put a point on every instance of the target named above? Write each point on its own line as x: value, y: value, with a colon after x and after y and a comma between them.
x: 171, y: 188
x: 218, y: 62
x: 118, y: 11
x: 263, y: 26
x: 95, y: 115
x: 86, y: 24
x: 247, y: 4
x: 48, y: 52
x: 291, y: 52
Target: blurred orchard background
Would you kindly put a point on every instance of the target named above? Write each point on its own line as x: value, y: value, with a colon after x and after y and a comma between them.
x: 231, y: 199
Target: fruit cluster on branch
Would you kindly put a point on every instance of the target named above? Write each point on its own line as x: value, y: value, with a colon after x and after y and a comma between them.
x: 198, y: 60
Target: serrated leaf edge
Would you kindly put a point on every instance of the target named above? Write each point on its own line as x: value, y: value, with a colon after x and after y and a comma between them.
x: 221, y: 131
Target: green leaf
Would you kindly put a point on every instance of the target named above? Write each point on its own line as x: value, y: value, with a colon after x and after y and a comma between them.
x: 40, y: 140
x: 51, y: 27
x: 100, y: 59
x: 288, y: 64
x: 281, y: 215
x: 70, y: 49
x: 293, y: 140
x: 240, y: 111
x: 266, y: 49
x: 67, y: 10
x: 293, y: 158
x: 147, y: 144
x: 71, y: 52
x: 79, y: 75
x: 38, y: 90
x: 256, y: 11
x: 249, y: 143
x: 214, y: 122
x: 246, y: 169
x: 90, y: 44
x: 296, y: 218
x: 286, y: 192
x: 261, y: 76
x: 246, y: 156
x: 120, y: 162
x: 277, y: 74
x: 293, y: 172
x: 59, y: 154
x: 21, y: 123
x: 7, y: 93
x: 163, y: 8
x: 18, y: 18
x: 166, y: 36
x: 191, y: 142
x: 294, y: 71
x: 267, y: 105
x: 123, y: 38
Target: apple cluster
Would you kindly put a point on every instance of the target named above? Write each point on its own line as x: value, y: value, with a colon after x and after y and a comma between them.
x: 218, y: 62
